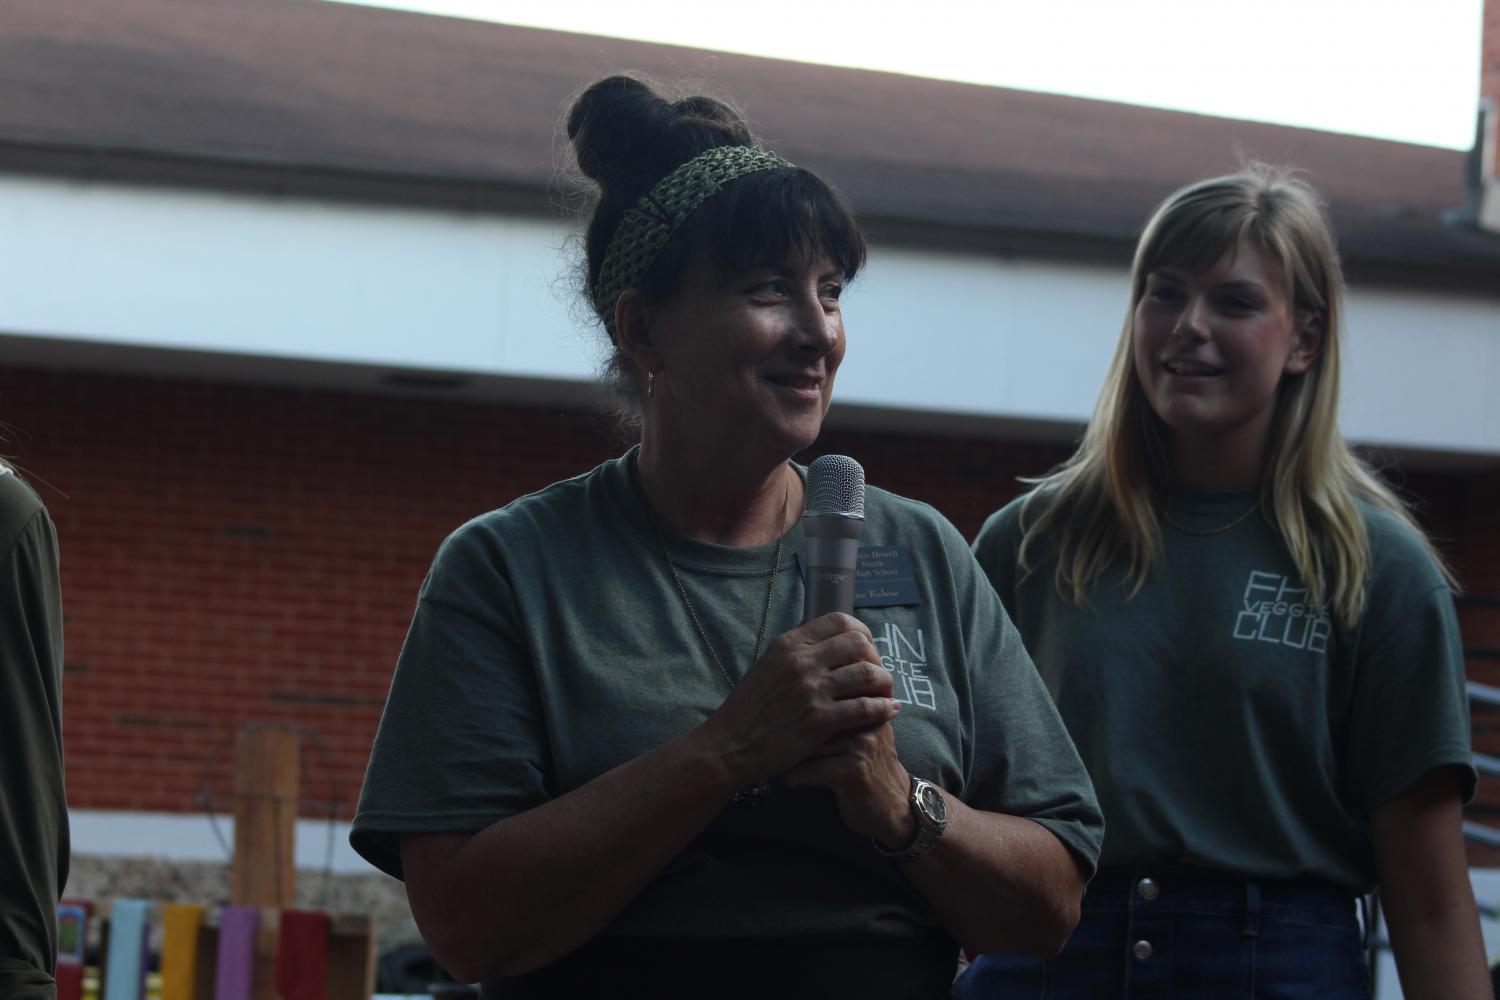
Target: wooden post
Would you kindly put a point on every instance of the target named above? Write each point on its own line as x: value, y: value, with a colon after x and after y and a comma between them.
x: 351, y: 956
x: 266, y: 772
x: 264, y: 980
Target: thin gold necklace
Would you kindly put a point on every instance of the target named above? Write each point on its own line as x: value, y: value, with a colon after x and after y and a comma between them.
x: 765, y: 615
x: 1201, y: 532
x: 758, y: 791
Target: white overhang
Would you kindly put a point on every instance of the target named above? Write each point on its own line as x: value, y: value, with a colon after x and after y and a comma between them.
x: 115, y: 277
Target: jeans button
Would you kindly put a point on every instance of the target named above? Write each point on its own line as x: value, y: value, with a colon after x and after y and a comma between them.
x: 1147, y: 889
x: 1141, y: 949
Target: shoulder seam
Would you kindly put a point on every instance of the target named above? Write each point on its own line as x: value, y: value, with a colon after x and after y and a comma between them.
x: 1401, y: 619
x: 10, y: 550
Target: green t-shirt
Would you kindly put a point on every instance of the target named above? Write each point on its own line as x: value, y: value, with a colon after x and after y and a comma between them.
x: 1225, y: 719
x: 33, y: 806
x: 550, y: 645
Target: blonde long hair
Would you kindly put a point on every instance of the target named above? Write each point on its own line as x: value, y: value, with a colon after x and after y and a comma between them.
x: 1101, y: 505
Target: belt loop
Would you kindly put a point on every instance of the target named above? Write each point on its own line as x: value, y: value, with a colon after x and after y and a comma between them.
x: 1252, y: 907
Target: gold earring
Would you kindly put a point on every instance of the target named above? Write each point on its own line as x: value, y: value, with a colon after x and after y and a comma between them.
x: 650, y: 384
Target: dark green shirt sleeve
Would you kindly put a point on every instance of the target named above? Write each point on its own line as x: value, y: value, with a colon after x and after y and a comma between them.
x: 1027, y: 763
x: 1411, y: 708
x: 33, y: 805
x: 462, y: 741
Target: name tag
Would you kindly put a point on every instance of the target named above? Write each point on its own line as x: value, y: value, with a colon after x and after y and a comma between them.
x: 882, y: 577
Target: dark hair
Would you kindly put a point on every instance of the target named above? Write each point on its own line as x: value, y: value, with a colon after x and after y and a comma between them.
x: 627, y: 137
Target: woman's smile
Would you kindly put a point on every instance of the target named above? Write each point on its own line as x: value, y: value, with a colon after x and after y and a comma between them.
x: 803, y: 387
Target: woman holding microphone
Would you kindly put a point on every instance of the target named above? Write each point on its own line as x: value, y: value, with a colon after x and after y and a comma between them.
x: 612, y: 763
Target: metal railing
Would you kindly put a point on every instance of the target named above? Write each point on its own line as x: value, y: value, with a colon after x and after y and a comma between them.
x: 1488, y: 766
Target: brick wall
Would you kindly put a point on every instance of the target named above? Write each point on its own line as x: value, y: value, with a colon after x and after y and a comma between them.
x: 1479, y: 619
x: 235, y: 554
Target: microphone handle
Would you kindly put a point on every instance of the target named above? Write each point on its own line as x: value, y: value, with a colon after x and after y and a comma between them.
x: 831, y: 559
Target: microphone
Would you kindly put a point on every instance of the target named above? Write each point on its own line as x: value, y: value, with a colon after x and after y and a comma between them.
x: 832, y: 518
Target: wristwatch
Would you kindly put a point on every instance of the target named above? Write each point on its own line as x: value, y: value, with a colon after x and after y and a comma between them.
x: 932, y: 816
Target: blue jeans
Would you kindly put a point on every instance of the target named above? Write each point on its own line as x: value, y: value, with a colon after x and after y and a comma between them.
x: 1153, y: 932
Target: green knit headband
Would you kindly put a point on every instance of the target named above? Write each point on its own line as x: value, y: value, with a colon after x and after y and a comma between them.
x: 647, y: 227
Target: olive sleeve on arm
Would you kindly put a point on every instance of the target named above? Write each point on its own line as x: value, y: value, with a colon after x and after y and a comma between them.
x: 1411, y: 711
x: 461, y: 743
x: 33, y: 807
x: 1024, y: 763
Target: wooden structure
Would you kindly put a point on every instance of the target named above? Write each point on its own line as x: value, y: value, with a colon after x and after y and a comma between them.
x: 336, y: 962
x: 267, y: 765
x: 259, y: 948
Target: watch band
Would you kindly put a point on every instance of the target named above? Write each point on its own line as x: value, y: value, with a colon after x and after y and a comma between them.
x: 927, y: 807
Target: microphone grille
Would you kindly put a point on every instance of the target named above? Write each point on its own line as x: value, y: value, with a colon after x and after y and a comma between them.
x: 835, y: 487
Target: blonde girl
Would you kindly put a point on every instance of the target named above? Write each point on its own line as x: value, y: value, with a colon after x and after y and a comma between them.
x: 1250, y: 640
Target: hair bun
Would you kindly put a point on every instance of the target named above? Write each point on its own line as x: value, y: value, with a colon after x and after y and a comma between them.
x: 610, y: 120
x: 712, y: 115
x: 626, y: 136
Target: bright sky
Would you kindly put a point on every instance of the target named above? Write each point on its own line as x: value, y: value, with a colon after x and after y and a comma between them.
x: 1396, y: 69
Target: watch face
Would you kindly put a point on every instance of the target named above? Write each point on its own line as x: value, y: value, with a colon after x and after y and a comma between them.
x: 930, y: 801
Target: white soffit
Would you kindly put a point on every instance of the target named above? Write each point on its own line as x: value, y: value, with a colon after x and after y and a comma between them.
x: 945, y: 337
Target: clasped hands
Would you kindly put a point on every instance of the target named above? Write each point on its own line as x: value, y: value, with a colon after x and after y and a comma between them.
x: 815, y: 710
